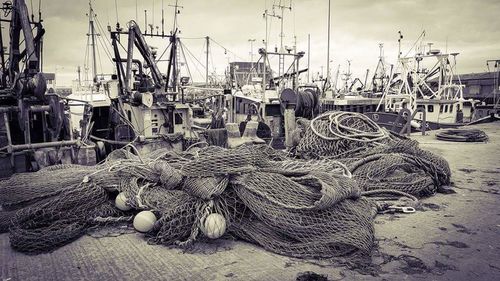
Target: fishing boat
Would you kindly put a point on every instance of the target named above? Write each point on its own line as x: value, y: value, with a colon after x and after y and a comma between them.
x: 139, y: 105
x: 489, y: 91
x: 260, y: 94
x: 424, y: 91
x: 89, y: 103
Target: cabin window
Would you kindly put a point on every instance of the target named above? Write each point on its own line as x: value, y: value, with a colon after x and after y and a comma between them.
x: 458, y: 107
x: 451, y: 108
x: 178, y: 118
x: 474, y: 89
x: 430, y: 108
x: 441, y: 108
x: 446, y: 108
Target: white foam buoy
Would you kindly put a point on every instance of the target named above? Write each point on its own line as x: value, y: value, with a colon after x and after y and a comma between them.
x: 214, y: 226
x: 121, y: 202
x: 144, y: 221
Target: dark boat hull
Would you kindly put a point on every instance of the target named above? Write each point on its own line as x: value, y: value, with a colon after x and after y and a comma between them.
x: 389, y: 120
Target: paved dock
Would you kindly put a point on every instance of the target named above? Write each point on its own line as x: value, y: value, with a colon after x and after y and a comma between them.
x: 451, y: 237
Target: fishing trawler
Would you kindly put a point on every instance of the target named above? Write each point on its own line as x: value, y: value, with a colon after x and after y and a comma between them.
x: 258, y: 91
x: 489, y: 92
x: 354, y: 95
x: 425, y: 90
x: 139, y: 104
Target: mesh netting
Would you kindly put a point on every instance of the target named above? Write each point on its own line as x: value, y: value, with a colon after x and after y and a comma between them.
x: 314, y: 205
x: 337, y: 134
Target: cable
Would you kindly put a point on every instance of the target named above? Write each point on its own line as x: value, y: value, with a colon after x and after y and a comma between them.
x: 226, y: 49
x: 462, y: 135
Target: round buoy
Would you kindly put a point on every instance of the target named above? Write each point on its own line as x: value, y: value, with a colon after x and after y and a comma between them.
x: 121, y: 202
x: 144, y: 221
x: 214, y: 226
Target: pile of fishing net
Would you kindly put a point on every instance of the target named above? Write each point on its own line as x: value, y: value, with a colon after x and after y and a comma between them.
x: 378, y: 159
x: 308, y: 208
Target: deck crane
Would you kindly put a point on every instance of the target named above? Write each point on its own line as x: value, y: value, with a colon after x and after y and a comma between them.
x: 30, y: 118
x: 147, y: 107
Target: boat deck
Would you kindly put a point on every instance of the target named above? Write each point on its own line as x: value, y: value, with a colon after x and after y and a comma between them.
x: 450, y: 237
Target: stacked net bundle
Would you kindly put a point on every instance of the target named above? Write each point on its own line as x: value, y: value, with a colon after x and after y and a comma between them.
x: 377, y: 159
x: 21, y: 189
x: 317, y: 215
x: 337, y: 134
x: 44, y: 226
x: 52, y: 207
x: 219, y: 161
x: 402, y: 166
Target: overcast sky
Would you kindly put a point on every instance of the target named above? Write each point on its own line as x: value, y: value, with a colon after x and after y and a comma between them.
x: 469, y: 27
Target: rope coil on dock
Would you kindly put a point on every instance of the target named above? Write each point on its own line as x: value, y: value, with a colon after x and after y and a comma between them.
x: 462, y: 135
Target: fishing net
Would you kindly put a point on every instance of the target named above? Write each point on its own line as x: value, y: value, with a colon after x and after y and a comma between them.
x: 336, y: 134
x: 315, y: 204
x: 377, y: 159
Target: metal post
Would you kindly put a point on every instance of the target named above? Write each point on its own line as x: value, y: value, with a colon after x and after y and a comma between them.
x: 251, y: 56
x: 206, y: 65
x: 308, y: 58
x: 328, y: 48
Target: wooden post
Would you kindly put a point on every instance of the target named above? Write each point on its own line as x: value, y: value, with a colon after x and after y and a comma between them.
x: 289, y: 125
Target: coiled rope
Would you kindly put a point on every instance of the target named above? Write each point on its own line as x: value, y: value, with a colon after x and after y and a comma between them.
x: 341, y: 127
x: 462, y: 135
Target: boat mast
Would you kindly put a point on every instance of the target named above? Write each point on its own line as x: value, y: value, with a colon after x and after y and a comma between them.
x: 206, y: 65
x: 175, y: 40
x: 328, y: 47
x: 92, y: 36
x: 281, y: 68
x: 308, y: 58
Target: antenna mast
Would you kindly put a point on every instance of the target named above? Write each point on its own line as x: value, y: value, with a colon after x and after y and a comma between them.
x: 328, y: 48
x: 92, y: 35
x: 281, y: 69
x: 176, y: 11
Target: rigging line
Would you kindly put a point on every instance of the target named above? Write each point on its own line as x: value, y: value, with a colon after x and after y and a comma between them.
x: 164, y: 51
x: 227, y: 49
x: 191, y: 38
x: 100, y: 61
x: 415, y: 43
x: 190, y: 53
x: 203, y: 48
x: 211, y: 59
x: 103, y: 31
x: 196, y: 67
x: 193, y: 62
x: 102, y: 41
x: 184, y: 56
x: 120, y: 43
x: 193, y: 57
x: 108, y: 55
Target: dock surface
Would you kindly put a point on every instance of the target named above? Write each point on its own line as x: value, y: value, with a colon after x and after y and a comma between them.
x: 450, y: 237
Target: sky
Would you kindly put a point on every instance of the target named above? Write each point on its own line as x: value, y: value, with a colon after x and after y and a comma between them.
x: 469, y: 27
